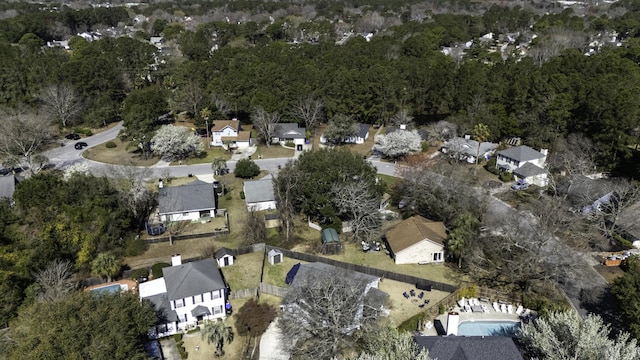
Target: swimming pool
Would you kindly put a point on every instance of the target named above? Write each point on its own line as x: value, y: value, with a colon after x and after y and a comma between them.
x: 488, y: 328
x: 111, y: 289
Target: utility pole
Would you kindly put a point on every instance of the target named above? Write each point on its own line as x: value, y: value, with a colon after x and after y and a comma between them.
x: 206, y: 127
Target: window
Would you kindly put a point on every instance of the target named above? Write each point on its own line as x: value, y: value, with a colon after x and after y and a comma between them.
x: 198, y: 299
x: 215, y: 294
x: 179, y: 303
x: 217, y: 310
x: 437, y: 256
x: 185, y: 214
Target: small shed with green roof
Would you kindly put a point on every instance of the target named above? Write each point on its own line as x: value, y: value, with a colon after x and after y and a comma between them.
x: 330, y: 242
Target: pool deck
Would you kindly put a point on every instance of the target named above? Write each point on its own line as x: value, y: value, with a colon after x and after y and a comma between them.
x: 492, y: 315
x: 131, y: 285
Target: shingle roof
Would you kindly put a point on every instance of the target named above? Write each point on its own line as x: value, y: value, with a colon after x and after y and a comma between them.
x: 192, y: 278
x: 218, y: 125
x: 7, y: 186
x: 363, y: 130
x: 163, y: 308
x: 310, y: 270
x: 413, y: 230
x: 259, y: 191
x: 330, y: 235
x: 469, y: 347
x: 222, y: 252
x: 290, y: 130
x: 521, y: 153
x: 468, y: 147
x: 197, y: 195
x: 529, y: 169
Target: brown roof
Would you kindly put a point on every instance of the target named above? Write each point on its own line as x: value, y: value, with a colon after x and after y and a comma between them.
x: 413, y: 230
x: 244, y: 135
x: 218, y: 125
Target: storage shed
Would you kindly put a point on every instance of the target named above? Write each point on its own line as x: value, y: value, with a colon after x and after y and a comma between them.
x: 330, y: 242
x: 224, y: 256
x: 275, y: 256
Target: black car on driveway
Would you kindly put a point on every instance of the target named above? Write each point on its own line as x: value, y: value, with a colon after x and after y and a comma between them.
x: 72, y: 137
x: 80, y: 145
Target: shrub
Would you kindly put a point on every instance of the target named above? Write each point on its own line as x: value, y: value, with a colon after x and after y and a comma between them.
x: 425, y: 146
x: 177, y: 337
x: 110, y: 145
x: 242, y: 195
x: 137, y: 273
x: 192, y: 331
x: 182, y: 350
x: 441, y: 309
x: 289, y: 144
x: 246, y: 169
x: 135, y: 246
x: 490, y: 166
x: 469, y: 292
x: 506, y: 176
x: 411, y: 324
x: 228, y: 197
x: 156, y: 269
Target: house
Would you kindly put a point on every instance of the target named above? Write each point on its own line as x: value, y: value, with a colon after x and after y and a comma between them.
x: 224, y: 257
x: 416, y: 240
x: 229, y: 133
x: 628, y: 226
x: 186, y: 294
x: 359, y: 138
x: 330, y: 242
x: 469, y: 347
x: 526, y: 164
x: 289, y: 132
x: 466, y: 149
x: 187, y: 202
x: 7, y: 186
x: 258, y: 194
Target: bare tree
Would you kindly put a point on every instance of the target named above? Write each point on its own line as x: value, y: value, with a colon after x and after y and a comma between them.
x: 442, y: 131
x: 573, y: 158
x: 265, y: 124
x: 24, y: 136
x: 322, y: 311
x: 357, y: 202
x: 221, y: 104
x: 283, y: 185
x: 140, y: 199
x: 254, y: 229
x: 402, y: 117
x: 55, y: 281
x: 62, y: 102
x: 309, y: 109
x: 190, y: 96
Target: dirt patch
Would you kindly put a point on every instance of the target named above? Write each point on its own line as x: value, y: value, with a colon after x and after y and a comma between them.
x: 609, y: 273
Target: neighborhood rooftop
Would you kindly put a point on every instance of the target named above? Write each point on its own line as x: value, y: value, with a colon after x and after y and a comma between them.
x: 218, y: 125
x: 521, y: 153
x: 259, y: 190
x: 192, y: 278
x: 528, y: 170
x: 414, y: 230
x: 194, y: 196
x: 7, y: 186
x: 469, y: 347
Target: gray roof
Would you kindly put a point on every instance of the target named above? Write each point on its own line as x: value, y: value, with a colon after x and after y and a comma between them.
x: 469, y: 347
x: 7, y: 186
x: 259, y: 191
x: 290, y: 131
x: 197, y: 195
x: 273, y: 252
x: 521, y: 153
x: 363, y: 130
x: 529, y: 169
x: 468, y: 147
x: 222, y: 252
x: 163, y: 308
x: 192, y: 278
x: 311, y: 269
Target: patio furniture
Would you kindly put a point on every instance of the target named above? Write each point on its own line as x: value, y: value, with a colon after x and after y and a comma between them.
x: 476, y: 308
x: 496, y: 307
x: 519, y: 310
x: 412, y: 292
x: 503, y: 308
x: 510, y: 309
x: 421, y: 295
x: 406, y: 296
x: 467, y: 308
x: 461, y: 302
x: 485, y: 308
x: 427, y: 301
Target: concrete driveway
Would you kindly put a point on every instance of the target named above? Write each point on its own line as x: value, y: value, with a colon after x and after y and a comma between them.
x: 270, y: 346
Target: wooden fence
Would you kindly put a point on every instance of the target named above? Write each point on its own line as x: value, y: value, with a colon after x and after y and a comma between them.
x: 273, y: 290
x: 255, y: 292
x: 243, y: 293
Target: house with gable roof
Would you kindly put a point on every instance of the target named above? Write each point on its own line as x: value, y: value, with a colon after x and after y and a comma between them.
x: 259, y: 194
x: 416, y: 240
x: 466, y: 149
x: 185, y: 295
x: 469, y: 347
x: 289, y: 132
x: 187, y: 202
x: 525, y: 163
x: 230, y: 133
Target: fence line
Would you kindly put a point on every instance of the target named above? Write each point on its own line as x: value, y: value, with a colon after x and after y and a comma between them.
x: 243, y: 293
x: 272, y: 290
x: 188, y: 236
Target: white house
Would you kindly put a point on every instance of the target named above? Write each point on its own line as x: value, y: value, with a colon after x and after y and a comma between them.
x: 526, y: 164
x: 186, y: 294
x: 359, y: 138
x: 466, y: 149
x: 289, y: 132
x: 229, y: 132
x: 417, y: 240
x: 187, y: 202
x: 258, y: 194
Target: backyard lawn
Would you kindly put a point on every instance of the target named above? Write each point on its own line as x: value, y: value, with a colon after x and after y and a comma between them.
x: 403, y: 308
x: 276, y: 274
x: 245, y: 271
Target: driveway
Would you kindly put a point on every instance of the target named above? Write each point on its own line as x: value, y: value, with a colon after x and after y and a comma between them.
x: 170, y: 349
x: 270, y: 346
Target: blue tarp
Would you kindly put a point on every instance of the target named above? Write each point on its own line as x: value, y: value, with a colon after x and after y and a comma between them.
x: 292, y: 273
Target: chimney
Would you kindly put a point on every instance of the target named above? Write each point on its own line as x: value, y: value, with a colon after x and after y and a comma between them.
x: 160, y: 185
x: 544, y: 152
x: 453, y: 318
x: 467, y: 137
x: 403, y: 127
x: 176, y: 260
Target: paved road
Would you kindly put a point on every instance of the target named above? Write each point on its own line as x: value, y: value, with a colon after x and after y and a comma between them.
x: 67, y: 155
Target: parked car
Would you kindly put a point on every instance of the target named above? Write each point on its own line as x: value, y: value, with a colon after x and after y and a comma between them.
x: 80, y: 145
x: 520, y: 185
x: 72, y: 137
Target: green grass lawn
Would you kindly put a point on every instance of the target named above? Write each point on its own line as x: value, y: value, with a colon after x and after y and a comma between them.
x: 276, y: 274
x: 245, y: 271
x: 272, y: 152
x: 211, y: 153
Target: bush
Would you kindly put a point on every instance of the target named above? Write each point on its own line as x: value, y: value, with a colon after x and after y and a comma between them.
x: 289, y: 144
x: 411, y: 324
x: 177, y: 337
x: 506, y: 176
x: 242, y: 195
x: 469, y: 292
x: 182, y: 350
x: 425, y: 146
x: 246, y: 169
x: 192, y: 331
x: 135, y: 246
x: 490, y: 166
x: 228, y: 197
x: 441, y: 309
x: 110, y: 145
x: 156, y: 269
x: 138, y: 273
x: 83, y: 131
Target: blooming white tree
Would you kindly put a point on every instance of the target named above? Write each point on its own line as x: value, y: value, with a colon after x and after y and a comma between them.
x: 398, y: 143
x: 175, y: 142
x: 564, y: 336
x: 81, y: 168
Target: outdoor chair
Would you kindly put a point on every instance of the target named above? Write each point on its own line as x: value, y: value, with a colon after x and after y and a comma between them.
x: 421, y: 305
x: 413, y: 292
x: 405, y: 295
x: 426, y: 301
x: 421, y: 295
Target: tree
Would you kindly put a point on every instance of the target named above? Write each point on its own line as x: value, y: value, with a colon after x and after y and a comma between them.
x: 62, y: 102
x: 402, y: 117
x: 175, y: 142
x: 442, y: 131
x: 131, y: 184
x: 253, y: 319
x: 83, y: 325
x: 388, y: 343
x: 359, y: 204
x: 284, y: 185
x: 309, y: 110
x: 398, y: 143
x: 322, y: 312
x: 141, y: 110
x: 246, y: 169
x: 254, y: 229
x: 107, y: 265
x: 625, y: 289
x: 265, y: 123
x: 218, y: 165
x: 24, y: 136
x: 480, y: 134
x: 217, y: 332
x: 341, y: 127
x: 55, y: 281
x: 565, y: 336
